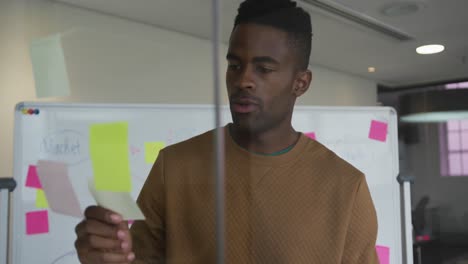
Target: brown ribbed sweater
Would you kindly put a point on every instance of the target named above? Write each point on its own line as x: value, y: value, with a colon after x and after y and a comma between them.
x: 304, y: 206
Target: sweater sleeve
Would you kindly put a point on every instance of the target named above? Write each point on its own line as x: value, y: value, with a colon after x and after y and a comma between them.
x: 148, y: 235
x: 362, y: 230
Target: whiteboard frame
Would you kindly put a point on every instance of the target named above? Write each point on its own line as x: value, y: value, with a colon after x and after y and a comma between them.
x: 405, y: 212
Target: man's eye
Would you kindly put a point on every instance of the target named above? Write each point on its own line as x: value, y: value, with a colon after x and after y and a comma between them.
x: 263, y: 69
x: 234, y: 67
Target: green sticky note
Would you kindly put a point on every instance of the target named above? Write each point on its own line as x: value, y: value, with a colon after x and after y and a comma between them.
x: 152, y: 151
x: 49, y: 67
x: 41, y: 200
x: 108, y: 146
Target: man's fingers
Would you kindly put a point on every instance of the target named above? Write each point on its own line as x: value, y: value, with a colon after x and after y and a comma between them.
x: 123, y: 225
x: 96, y: 256
x: 94, y: 227
x: 79, y: 229
x: 102, y: 214
x: 98, y: 242
x: 101, y: 241
x: 91, y: 242
x: 124, y: 235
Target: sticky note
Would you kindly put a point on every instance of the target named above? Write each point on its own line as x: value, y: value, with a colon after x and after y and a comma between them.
x: 61, y: 196
x: 384, y: 254
x: 49, y: 67
x: 378, y: 131
x: 152, y: 151
x: 119, y: 202
x: 311, y: 135
x: 37, y: 222
x: 41, y: 200
x: 108, y: 145
x: 32, y: 180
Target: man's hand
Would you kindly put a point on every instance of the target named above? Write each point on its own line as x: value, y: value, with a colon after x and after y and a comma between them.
x: 103, y: 237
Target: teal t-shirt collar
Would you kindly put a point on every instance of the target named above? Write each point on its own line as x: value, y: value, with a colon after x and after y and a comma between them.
x: 277, y: 153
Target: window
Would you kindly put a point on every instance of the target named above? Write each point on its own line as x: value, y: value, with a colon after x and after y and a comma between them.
x: 454, y: 143
x: 462, y: 85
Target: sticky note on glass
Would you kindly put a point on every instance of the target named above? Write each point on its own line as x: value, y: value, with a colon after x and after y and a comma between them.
x: 311, y: 135
x: 37, y: 222
x: 152, y: 151
x: 58, y: 189
x: 49, y: 67
x: 108, y: 146
x: 378, y: 131
x: 32, y: 180
x: 41, y: 200
x: 119, y: 202
x: 384, y: 254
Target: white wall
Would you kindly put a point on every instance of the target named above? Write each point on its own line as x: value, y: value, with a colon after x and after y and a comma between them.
x: 334, y: 88
x: 114, y: 60
x: 16, y: 82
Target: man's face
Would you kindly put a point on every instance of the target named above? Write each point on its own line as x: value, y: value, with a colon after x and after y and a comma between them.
x: 260, y: 77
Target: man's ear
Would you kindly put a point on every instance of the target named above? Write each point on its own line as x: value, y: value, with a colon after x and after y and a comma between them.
x: 302, y: 82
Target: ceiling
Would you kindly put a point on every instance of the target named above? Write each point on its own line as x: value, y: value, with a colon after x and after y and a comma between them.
x: 337, y: 43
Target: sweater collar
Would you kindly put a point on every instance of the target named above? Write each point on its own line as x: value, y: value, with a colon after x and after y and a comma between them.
x: 241, y: 154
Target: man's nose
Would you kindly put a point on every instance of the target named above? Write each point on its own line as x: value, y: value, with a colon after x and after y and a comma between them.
x: 246, y: 79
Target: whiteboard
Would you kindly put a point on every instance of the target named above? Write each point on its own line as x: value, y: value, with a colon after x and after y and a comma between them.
x: 61, y: 131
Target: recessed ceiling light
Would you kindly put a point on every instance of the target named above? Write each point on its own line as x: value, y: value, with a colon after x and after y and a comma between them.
x: 430, y: 49
x: 371, y: 69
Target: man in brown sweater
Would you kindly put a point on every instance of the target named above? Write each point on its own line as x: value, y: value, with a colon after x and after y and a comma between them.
x: 288, y: 199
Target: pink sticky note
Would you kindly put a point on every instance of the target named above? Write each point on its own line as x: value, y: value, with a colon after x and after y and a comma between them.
x: 59, y: 191
x: 311, y: 135
x: 384, y: 254
x: 32, y: 180
x: 37, y: 222
x: 378, y: 131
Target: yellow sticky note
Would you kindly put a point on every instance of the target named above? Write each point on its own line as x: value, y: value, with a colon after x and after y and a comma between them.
x: 41, y: 200
x: 108, y: 146
x: 152, y: 151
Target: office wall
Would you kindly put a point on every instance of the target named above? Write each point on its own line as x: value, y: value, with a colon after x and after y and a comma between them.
x: 115, y: 60
x: 16, y: 82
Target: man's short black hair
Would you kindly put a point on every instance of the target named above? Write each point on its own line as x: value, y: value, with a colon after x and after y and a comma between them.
x: 284, y: 15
